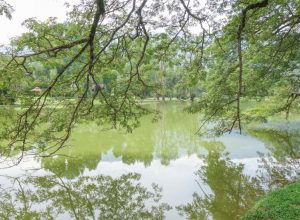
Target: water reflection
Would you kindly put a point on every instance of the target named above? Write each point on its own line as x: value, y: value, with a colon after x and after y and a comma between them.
x: 281, y: 142
x: 99, y: 197
x: 171, y: 137
x: 281, y: 165
x: 96, y: 174
x: 230, y: 193
x: 227, y: 192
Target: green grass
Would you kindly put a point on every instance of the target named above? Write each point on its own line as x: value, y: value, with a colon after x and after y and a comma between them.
x: 282, y: 204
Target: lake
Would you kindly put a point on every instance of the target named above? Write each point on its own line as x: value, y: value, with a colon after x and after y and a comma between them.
x: 162, y: 170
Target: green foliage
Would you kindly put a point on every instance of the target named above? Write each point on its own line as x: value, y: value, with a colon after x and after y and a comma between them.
x: 270, y: 67
x: 99, y: 68
x: 278, y: 205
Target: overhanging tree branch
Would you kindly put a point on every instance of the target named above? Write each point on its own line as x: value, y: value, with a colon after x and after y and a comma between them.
x: 241, y: 28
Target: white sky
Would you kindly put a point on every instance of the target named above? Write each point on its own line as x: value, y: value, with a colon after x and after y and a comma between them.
x: 41, y: 9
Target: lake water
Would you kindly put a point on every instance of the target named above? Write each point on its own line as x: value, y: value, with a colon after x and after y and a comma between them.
x: 162, y: 170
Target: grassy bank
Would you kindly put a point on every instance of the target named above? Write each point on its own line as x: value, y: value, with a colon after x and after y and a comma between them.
x: 282, y: 204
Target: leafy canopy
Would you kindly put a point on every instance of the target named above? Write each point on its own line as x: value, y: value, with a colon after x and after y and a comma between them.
x: 100, y: 63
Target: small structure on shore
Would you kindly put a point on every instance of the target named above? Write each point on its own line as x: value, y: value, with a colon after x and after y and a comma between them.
x: 36, y: 90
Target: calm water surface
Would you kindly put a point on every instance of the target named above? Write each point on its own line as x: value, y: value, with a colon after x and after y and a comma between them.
x: 160, y: 171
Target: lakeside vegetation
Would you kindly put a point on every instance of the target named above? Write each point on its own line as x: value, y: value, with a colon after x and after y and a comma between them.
x: 92, y: 150
x: 280, y: 204
x: 139, y: 81
x: 241, y: 51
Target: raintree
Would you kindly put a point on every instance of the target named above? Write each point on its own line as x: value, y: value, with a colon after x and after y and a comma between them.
x: 106, y: 56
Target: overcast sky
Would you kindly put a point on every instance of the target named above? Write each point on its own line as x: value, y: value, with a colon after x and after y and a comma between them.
x: 41, y: 9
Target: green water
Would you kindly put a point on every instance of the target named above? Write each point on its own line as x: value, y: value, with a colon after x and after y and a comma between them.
x: 160, y: 171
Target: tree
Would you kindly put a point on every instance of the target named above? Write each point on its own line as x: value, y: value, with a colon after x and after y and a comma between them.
x: 5, y: 9
x: 240, y: 51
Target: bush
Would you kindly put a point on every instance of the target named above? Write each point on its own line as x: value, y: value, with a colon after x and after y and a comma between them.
x: 282, y: 204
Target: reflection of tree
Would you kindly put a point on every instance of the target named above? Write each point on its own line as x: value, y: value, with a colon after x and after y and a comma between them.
x: 100, y: 197
x: 282, y: 143
x: 232, y: 192
x: 175, y: 133
x: 71, y: 167
x: 166, y: 139
x: 282, y: 165
x: 275, y: 174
